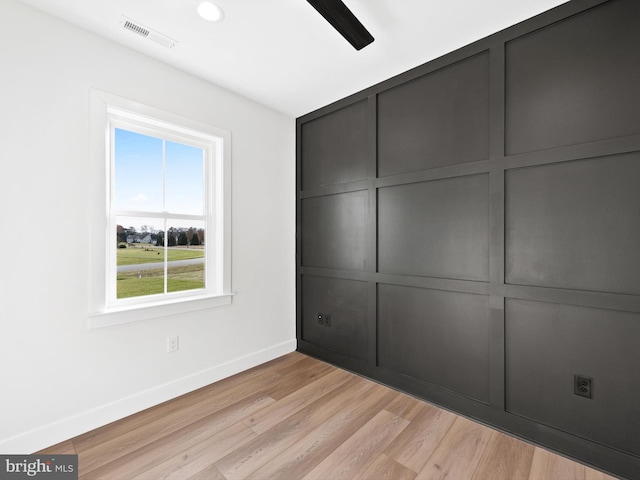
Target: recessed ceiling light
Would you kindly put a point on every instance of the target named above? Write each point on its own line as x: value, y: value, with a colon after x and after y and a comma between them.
x: 210, y: 12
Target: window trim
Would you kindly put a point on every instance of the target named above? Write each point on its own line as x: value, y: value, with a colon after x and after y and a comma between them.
x: 103, y: 311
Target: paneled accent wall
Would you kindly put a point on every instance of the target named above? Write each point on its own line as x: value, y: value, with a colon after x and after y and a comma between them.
x: 469, y: 232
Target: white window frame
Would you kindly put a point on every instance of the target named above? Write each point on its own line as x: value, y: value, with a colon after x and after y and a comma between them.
x: 107, y: 113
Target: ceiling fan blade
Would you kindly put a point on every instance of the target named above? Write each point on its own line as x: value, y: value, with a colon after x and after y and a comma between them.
x: 345, y: 22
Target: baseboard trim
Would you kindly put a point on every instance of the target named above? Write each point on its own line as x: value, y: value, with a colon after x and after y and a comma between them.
x: 66, y: 428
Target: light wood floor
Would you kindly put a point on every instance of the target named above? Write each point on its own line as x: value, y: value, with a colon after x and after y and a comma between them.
x: 297, y: 418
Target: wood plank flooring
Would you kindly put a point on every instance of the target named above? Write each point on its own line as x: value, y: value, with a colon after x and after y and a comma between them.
x: 297, y: 418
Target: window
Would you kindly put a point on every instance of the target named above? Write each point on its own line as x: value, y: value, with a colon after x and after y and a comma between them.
x: 164, y: 188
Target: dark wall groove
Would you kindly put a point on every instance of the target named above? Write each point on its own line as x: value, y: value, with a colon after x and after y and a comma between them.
x: 471, y: 228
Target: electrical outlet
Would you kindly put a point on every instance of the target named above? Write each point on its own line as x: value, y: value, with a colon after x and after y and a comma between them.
x: 327, y: 320
x: 583, y: 386
x: 172, y: 344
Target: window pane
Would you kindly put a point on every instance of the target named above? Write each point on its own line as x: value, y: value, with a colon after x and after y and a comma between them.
x: 140, y: 256
x: 138, y: 171
x: 184, y: 179
x: 185, y: 269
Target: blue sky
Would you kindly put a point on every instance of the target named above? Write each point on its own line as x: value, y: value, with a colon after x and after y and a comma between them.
x: 138, y: 175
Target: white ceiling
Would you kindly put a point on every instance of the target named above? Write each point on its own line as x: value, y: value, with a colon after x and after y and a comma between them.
x: 283, y: 54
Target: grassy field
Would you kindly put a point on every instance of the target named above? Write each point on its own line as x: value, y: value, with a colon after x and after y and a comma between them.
x: 152, y: 281
x: 149, y: 254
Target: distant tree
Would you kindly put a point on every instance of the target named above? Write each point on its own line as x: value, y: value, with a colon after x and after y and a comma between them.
x: 182, y: 239
x: 121, y: 234
x: 201, y: 236
x: 194, y: 239
x: 171, y: 238
x: 160, y: 239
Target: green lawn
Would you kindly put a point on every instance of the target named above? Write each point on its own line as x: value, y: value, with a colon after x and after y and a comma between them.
x: 149, y: 254
x: 151, y: 282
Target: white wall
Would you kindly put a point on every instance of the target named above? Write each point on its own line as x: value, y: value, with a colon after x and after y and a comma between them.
x: 58, y: 378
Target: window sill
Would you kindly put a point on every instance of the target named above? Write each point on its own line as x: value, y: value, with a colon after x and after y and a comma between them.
x: 160, y: 309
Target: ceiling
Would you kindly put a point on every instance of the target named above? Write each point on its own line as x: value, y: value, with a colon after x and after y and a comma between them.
x: 283, y: 54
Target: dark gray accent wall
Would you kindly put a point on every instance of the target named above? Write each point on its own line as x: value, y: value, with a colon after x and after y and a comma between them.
x: 424, y: 241
x: 575, y: 225
x: 343, y: 307
x: 334, y: 230
x: 564, y: 85
x: 441, y: 118
x: 548, y: 343
x: 436, y: 336
x: 472, y: 229
x: 344, y: 159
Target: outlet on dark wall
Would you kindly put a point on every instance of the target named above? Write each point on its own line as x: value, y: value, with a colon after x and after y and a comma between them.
x: 583, y: 386
x: 324, y: 319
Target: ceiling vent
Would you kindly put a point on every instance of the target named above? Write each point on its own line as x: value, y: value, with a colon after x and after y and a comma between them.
x: 147, y: 33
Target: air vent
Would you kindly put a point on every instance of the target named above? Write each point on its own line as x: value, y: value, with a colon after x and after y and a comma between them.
x: 143, y: 31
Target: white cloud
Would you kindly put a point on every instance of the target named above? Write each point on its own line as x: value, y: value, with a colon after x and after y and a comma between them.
x: 141, y: 197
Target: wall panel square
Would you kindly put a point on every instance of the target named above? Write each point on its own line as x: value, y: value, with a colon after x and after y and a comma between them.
x: 575, y: 225
x: 564, y: 84
x: 345, y: 304
x: 439, y: 119
x: 438, y: 228
x: 333, y: 231
x: 335, y: 147
x: 546, y: 344
x: 436, y: 336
